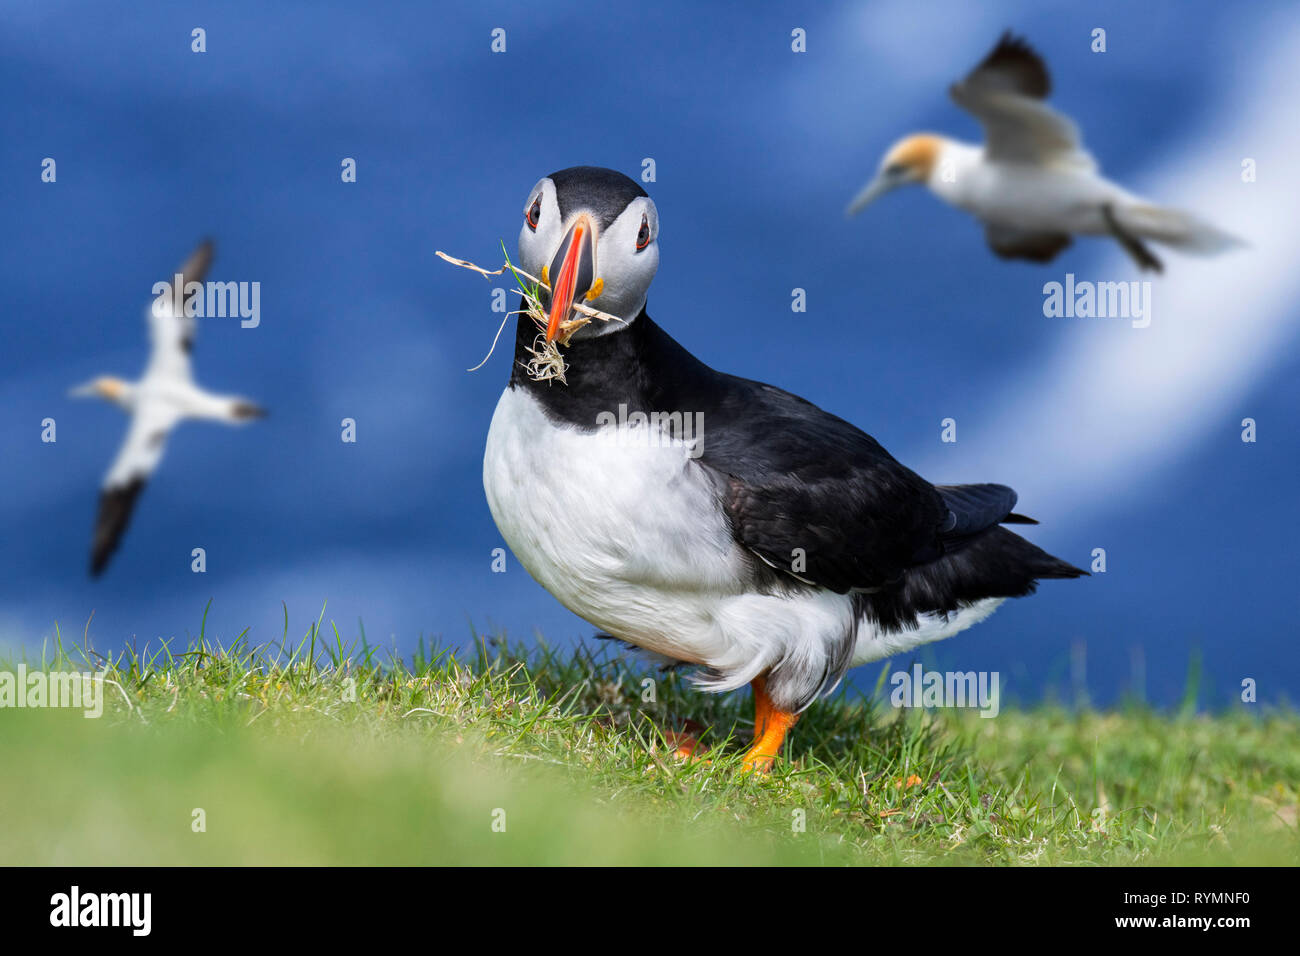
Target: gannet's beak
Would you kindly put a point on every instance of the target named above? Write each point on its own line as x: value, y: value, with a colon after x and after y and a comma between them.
x: 869, y: 194
x: 572, y: 271
x: 83, y: 391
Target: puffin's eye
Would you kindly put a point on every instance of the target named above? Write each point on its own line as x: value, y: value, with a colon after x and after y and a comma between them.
x: 534, y: 211
x: 643, y: 234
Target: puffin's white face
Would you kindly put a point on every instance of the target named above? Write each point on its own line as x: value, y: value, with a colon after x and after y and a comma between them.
x: 589, y: 247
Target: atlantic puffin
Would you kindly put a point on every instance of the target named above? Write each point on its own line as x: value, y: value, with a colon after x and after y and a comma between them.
x: 710, y: 519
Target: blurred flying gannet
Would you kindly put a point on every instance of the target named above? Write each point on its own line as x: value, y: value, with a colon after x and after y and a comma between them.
x: 1032, y: 183
x: 163, y: 397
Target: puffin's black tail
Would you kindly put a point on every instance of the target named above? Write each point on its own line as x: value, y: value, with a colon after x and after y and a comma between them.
x: 997, y: 563
x: 974, y: 511
x: 1003, y: 563
x: 994, y: 564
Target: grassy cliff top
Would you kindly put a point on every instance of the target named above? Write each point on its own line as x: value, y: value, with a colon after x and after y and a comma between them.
x: 322, y: 754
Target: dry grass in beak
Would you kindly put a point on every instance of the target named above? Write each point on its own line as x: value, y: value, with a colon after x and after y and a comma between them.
x: 546, y: 362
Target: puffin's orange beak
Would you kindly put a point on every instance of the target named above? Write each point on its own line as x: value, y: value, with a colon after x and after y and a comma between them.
x: 572, y: 271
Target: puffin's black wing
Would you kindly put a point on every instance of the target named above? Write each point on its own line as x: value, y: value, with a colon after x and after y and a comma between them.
x: 819, y: 499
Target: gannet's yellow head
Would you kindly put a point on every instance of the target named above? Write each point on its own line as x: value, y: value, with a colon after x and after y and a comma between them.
x: 911, y: 160
x: 105, y: 387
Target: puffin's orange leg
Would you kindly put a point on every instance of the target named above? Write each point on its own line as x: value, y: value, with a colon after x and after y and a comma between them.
x: 762, y: 706
x: 770, y: 727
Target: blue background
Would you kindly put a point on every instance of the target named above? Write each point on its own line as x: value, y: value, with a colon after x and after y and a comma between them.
x: 1114, y: 437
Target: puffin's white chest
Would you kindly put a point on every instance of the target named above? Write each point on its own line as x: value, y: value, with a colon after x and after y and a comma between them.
x: 618, y: 524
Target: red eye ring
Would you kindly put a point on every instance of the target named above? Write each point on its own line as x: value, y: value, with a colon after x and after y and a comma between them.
x: 534, y: 213
x: 643, y: 234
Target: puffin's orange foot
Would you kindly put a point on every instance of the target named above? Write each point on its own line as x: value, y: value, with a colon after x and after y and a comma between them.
x: 684, y: 744
x: 770, y: 727
x: 753, y: 761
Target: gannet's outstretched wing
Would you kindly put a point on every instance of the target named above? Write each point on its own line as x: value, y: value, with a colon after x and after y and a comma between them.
x: 139, y: 456
x: 1005, y: 92
x: 170, y: 332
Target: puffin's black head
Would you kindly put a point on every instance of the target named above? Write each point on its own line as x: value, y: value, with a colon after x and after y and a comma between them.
x: 593, y: 235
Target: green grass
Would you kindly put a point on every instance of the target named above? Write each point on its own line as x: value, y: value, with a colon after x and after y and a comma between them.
x: 319, y: 753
